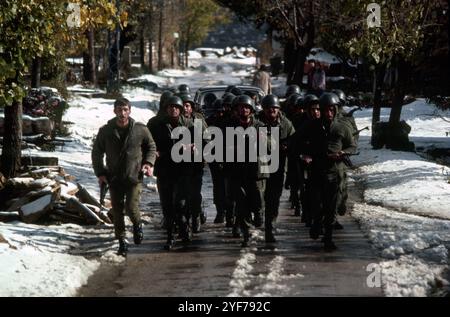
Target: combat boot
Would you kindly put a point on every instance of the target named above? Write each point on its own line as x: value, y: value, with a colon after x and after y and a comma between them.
x: 220, y: 217
x: 269, y: 236
x: 337, y: 226
x: 329, y: 246
x: 138, y: 234
x: 185, y: 233
x: 169, y: 244
x: 123, y: 247
x: 235, y: 232
x: 257, y: 220
x: 196, y: 224
x: 314, y: 232
x: 229, y: 222
x: 202, y: 218
x: 246, y: 236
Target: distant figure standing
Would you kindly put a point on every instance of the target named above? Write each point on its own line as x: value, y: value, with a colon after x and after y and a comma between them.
x: 262, y: 79
x: 318, y: 84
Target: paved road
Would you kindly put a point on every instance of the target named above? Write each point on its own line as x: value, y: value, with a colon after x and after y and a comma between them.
x: 215, y: 265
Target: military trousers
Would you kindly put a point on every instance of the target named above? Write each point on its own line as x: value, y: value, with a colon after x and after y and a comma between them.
x: 272, y: 195
x: 325, y: 194
x: 195, y: 191
x: 174, y: 191
x: 125, y: 199
x: 247, y: 194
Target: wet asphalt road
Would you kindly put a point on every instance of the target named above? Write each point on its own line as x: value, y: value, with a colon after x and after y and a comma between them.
x: 214, y: 264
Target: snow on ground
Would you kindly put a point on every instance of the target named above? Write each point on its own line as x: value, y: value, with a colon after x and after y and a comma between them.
x: 50, y: 260
x: 401, y: 188
x: 401, y: 180
x: 263, y: 285
x: 415, y: 249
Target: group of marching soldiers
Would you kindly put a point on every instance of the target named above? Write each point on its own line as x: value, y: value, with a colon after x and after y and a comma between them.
x: 316, y: 138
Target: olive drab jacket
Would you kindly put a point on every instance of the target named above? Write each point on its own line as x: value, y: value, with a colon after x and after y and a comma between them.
x: 162, y: 133
x: 286, y: 130
x: 124, y: 159
x: 247, y: 169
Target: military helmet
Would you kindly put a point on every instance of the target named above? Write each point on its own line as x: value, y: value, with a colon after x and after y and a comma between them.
x: 292, y: 89
x: 228, y: 98
x: 209, y: 99
x: 175, y: 101
x: 300, y: 103
x: 244, y: 100
x: 218, y: 105
x: 187, y: 98
x: 183, y: 88
x: 341, y: 95
x: 236, y: 91
x: 310, y: 100
x: 229, y: 88
x: 292, y: 99
x: 328, y: 99
x: 270, y: 101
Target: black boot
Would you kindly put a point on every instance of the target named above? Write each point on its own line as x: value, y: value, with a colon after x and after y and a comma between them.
x: 329, y: 246
x: 229, y: 222
x: 123, y: 247
x: 196, y: 224
x: 235, y: 232
x: 337, y: 226
x: 257, y: 220
x: 169, y: 244
x: 269, y: 236
x: 138, y: 234
x: 202, y: 218
x: 297, y: 211
x: 246, y: 236
x: 314, y: 232
x: 220, y: 217
x: 170, y: 240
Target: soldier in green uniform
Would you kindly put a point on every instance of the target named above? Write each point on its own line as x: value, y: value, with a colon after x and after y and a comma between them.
x: 245, y: 176
x: 130, y: 152
x: 329, y: 142
x: 271, y: 117
x: 173, y: 177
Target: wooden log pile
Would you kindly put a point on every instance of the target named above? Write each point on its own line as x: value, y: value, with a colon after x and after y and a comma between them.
x: 44, y: 194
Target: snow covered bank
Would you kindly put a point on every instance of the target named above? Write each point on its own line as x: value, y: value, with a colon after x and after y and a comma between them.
x: 399, y: 189
x: 43, y: 261
x: 415, y: 249
x: 401, y: 180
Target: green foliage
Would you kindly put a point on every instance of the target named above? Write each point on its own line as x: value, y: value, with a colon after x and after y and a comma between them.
x: 198, y: 18
x: 27, y: 29
x: 403, y: 27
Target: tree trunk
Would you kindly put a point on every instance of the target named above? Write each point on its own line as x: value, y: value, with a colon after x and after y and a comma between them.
x: 11, y: 152
x: 186, y: 54
x: 289, y: 61
x: 299, y: 66
x: 160, y: 37
x: 399, y: 92
x: 89, y: 69
x: 378, y: 88
x: 92, y: 64
x: 142, y: 48
x: 36, y: 72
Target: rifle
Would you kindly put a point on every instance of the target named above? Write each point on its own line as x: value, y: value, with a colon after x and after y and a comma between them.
x: 103, y: 190
x: 346, y: 159
x: 359, y: 131
x: 350, y: 113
